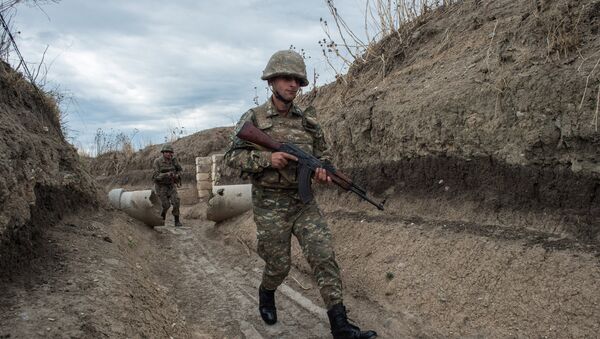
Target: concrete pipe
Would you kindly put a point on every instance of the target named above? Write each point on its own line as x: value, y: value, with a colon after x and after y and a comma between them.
x: 229, y: 201
x: 141, y: 205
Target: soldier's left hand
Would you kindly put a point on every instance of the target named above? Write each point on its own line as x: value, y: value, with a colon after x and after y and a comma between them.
x: 321, y: 176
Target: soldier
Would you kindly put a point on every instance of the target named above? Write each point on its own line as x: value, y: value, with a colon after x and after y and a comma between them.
x: 278, y: 210
x: 167, y: 173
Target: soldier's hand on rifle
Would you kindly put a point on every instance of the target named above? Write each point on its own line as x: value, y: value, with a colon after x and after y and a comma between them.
x: 280, y: 159
x: 321, y: 176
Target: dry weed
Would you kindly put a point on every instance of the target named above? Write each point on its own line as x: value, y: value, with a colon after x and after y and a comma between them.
x: 597, y: 107
x: 563, y: 34
x: 382, y: 18
x: 587, y: 81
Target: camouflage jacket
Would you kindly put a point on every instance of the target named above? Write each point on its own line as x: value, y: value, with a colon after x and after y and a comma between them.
x: 163, y: 169
x: 298, y: 127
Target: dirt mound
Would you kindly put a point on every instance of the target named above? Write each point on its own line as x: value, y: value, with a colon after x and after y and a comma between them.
x: 491, y: 102
x: 42, y: 178
x: 119, y: 168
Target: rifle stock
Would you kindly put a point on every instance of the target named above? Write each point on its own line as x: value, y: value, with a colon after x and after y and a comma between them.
x: 252, y: 134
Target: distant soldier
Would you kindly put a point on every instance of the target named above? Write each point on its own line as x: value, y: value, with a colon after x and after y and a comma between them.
x: 278, y: 210
x: 166, y: 176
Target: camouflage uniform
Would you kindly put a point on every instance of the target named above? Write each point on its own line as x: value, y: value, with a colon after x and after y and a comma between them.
x: 278, y: 211
x: 164, y: 184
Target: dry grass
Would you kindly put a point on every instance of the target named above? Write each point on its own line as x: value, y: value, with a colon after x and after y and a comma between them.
x: 597, y: 108
x: 382, y: 18
x: 587, y: 81
x: 114, y: 141
x: 563, y: 29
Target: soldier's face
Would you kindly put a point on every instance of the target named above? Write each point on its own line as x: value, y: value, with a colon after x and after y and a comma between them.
x: 168, y: 155
x: 286, y: 86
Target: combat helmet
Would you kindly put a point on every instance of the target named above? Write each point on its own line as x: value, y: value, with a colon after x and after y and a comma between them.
x: 166, y: 148
x: 286, y: 62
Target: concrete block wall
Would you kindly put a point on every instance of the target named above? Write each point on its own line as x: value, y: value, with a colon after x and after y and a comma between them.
x: 204, y: 166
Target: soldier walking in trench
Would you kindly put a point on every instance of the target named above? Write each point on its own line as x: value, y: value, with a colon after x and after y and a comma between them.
x: 278, y: 210
x: 166, y: 175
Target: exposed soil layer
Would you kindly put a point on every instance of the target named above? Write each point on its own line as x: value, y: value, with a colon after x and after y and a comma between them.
x: 494, y: 186
x: 21, y: 245
x: 42, y: 178
x: 495, y: 100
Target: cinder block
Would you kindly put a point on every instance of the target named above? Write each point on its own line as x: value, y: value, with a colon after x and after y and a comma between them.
x: 203, y: 168
x: 204, y: 185
x: 203, y: 164
x: 203, y: 193
x: 217, y: 157
x: 202, y: 177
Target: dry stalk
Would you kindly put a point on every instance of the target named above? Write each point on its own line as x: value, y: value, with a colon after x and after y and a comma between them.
x: 487, y: 57
x: 597, y: 106
x: 4, y: 6
x: 343, y: 27
x: 337, y: 74
x: 587, y: 81
x: 385, y: 17
x: 382, y: 67
x: 366, y: 16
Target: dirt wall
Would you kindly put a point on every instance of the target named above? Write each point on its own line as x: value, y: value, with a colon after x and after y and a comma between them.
x: 486, y: 101
x: 41, y: 175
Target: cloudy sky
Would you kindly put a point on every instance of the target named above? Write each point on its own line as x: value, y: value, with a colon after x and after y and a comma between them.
x: 157, y: 66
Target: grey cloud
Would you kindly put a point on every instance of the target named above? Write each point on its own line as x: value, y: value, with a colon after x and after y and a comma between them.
x: 154, y: 62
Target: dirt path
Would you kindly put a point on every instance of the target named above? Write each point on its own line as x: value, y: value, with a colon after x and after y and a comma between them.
x: 101, y: 274
x: 104, y: 275
x: 215, y: 285
x: 216, y: 277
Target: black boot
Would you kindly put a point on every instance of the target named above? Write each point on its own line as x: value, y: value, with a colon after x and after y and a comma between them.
x: 177, y: 222
x: 266, y: 305
x: 163, y: 215
x: 341, y: 328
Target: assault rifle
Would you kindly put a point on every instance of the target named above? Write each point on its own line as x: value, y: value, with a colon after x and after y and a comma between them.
x: 307, y: 164
x: 174, y: 178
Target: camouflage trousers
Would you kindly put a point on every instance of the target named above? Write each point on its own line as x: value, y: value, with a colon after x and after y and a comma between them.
x: 279, y: 214
x: 168, y: 196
